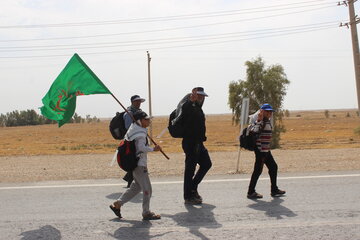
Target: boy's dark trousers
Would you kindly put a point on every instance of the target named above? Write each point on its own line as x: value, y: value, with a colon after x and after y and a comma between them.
x: 262, y: 158
x: 196, y: 153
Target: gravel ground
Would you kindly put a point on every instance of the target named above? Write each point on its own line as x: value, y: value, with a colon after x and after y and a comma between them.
x: 97, y: 166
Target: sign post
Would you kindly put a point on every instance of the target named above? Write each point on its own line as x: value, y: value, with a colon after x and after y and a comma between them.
x: 243, y: 120
x: 149, y: 90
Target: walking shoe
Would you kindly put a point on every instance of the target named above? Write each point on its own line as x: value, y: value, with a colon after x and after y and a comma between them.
x: 196, y: 195
x: 254, y: 195
x: 193, y: 201
x: 116, y: 211
x: 277, y: 193
x: 151, y: 216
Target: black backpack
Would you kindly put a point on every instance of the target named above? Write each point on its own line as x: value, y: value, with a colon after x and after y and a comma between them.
x: 126, y: 156
x: 117, y: 126
x: 176, y: 128
x: 248, y: 140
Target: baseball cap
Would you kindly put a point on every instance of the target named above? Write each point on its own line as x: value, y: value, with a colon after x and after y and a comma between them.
x: 136, y: 98
x: 267, y: 107
x: 141, y: 115
x: 200, y: 91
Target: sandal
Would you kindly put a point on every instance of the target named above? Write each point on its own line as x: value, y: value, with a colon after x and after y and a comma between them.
x: 116, y: 211
x: 151, y: 216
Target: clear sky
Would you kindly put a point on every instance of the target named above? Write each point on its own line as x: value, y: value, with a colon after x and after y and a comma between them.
x: 191, y: 43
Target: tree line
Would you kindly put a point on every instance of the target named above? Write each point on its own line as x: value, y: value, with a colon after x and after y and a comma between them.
x: 31, y: 117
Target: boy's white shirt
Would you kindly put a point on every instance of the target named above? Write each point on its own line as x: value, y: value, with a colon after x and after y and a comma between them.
x: 139, y: 134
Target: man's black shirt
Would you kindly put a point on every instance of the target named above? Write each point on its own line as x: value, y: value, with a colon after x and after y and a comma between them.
x: 194, y: 122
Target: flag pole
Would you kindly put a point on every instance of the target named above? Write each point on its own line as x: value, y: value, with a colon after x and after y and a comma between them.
x: 152, y: 140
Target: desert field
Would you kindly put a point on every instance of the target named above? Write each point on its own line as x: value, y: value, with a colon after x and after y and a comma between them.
x: 79, y: 151
x: 304, y: 130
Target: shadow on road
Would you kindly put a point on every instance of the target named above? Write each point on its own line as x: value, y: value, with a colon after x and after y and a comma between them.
x: 272, y: 208
x: 136, y: 199
x: 46, y: 232
x: 196, y: 217
x: 134, y: 230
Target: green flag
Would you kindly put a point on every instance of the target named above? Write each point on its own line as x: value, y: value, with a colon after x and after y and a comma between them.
x: 75, y: 79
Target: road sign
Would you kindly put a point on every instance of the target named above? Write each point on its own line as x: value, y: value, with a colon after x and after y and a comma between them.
x: 244, y: 111
x: 243, y: 120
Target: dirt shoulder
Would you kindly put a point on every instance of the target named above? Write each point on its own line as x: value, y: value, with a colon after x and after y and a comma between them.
x: 16, y: 169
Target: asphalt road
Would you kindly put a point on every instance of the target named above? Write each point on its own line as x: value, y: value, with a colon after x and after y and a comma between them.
x: 316, y: 206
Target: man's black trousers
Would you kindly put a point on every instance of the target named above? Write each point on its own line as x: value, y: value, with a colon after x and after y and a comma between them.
x: 195, y: 153
x: 262, y: 158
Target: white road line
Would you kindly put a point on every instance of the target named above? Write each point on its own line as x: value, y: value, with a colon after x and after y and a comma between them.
x: 248, y: 226
x: 174, y: 182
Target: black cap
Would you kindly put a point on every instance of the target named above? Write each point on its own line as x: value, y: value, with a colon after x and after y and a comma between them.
x: 200, y: 91
x: 141, y: 115
x: 136, y: 97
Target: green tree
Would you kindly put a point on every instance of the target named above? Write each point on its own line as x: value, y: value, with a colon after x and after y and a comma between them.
x: 23, y: 118
x: 88, y: 119
x: 32, y: 118
x: 2, y: 120
x: 327, y: 113
x: 287, y: 113
x: 12, y: 118
x: 77, y: 118
x: 95, y: 119
x: 262, y: 85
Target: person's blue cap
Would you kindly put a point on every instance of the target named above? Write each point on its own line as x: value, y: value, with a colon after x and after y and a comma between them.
x: 267, y: 107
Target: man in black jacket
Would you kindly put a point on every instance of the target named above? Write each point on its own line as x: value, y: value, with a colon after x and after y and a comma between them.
x: 192, y: 144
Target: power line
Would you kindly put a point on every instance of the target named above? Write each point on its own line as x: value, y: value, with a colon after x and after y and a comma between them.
x: 169, y: 29
x: 162, y: 40
x: 177, y: 17
x: 174, y: 46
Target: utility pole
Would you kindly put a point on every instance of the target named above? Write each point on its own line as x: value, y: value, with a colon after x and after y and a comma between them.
x: 149, y: 89
x: 353, y: 20
x: 355, y: 44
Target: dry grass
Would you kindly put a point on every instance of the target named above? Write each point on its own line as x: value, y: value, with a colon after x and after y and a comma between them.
x: 310, y: 130
x: 84, y: 151
x: 313, y: 131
